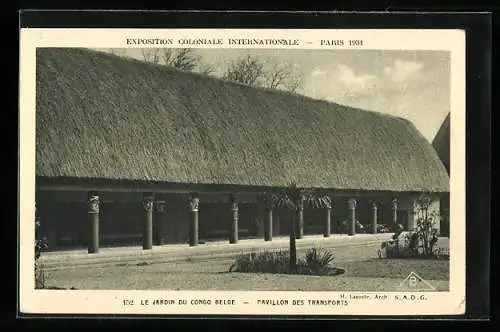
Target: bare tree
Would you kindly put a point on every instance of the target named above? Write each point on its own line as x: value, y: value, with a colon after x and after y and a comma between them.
x: 276, y: 75
x: 294, y: 82
x: 248, y: 70
x: 272, y: 74
x: 183, y: 58
x: 282, y: 76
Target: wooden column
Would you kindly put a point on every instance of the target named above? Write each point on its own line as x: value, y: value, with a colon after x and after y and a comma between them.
x: 268, y: 223
x: 395, y: 212
x: 411, y: 214
x: 147, y: 232
x: 328, y: 226
x: 233, y: 227
x: 352, y: 224
x: 193, y: 223
x: 300, y: 220
x: 159, y: 222
x: 374, y: 218
x: 93, y: 223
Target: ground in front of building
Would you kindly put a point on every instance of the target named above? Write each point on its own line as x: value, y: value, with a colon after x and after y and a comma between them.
x: 364, y: 272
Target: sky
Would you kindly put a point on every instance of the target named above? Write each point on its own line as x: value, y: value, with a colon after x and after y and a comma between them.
x: 414, y: 85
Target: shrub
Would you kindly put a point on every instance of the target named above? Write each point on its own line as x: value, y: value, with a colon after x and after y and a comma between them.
x: 318, y: 259
x: 266, y: 261
x: 342, y: 227
x: 381, y: 228
x: 40, y: 242
x: 39, y: 276
x: 315, y: 260
x: 40, y: 246
x: 420, y: 243
x: 401, y: 245
x: 426, y: 231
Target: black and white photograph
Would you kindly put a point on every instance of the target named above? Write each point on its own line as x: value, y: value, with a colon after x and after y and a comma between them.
x: 208, y: 162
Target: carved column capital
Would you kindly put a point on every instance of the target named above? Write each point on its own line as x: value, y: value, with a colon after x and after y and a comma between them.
x: 233, y: 202
x: 93, y: 204
x: 327, y: 200
x: 374, y: 206
x: 147, y: 203
x: 394, y: 204
x: 352, y: 203
x: 194, y: 203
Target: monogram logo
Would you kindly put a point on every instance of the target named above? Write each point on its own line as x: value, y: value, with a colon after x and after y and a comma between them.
x: 415, y: 283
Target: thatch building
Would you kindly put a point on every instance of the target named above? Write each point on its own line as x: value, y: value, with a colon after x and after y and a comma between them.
x: 441, y: 143
x: 126, y: 149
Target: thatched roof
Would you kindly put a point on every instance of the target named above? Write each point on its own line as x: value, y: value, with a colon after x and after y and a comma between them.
x: 100, y: 116
x: 441, y: 142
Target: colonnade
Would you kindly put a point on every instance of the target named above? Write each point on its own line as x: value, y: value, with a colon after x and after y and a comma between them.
x: 154, y: 210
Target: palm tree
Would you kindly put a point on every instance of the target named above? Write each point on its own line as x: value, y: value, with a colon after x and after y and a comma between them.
x: 293, y: 198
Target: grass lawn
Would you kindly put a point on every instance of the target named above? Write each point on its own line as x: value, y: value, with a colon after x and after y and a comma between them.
x: 368, y: 275
x: 399, y: 268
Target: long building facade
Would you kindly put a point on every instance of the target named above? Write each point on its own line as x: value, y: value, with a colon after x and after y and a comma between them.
x: 130, y: 152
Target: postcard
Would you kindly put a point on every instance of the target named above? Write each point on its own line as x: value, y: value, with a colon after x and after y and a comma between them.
x: 242, y: 171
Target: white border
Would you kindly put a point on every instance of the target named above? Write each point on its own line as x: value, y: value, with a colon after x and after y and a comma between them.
x: 110, y: 302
